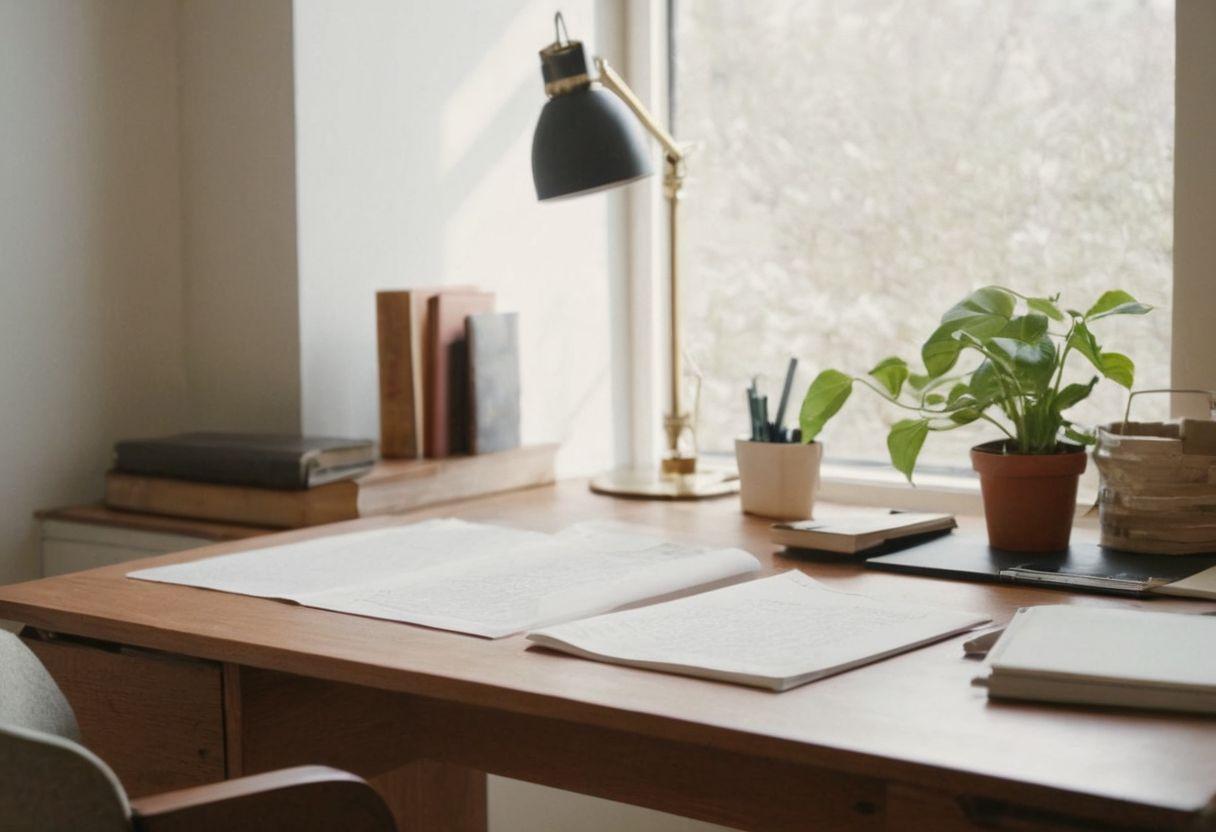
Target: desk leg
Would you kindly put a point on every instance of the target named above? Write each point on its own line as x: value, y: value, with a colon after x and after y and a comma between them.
x: 274, y: 720
x: 435, y: 797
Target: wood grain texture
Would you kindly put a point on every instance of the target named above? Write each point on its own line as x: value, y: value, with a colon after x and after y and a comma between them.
x: 286, y: 720
x: 400, y: 397
x: 914, y: 719
x: 97, y: 514
x: 156, y: 720
x: 427, y: 796
x: 287, y: 509
x: 310, y: 797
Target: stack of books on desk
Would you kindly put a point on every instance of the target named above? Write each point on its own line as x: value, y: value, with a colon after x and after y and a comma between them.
x: 293, y: 481
x: 1112, y: 657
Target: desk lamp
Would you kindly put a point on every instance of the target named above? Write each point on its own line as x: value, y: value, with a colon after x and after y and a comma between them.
x: 587, y: 140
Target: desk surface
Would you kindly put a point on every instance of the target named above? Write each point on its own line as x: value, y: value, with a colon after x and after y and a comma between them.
x: 913, y: 718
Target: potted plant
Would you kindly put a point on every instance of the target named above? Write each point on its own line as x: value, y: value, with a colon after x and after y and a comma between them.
x: 1018, y: 347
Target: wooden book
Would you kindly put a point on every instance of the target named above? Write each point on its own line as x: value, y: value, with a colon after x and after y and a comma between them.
x: 493, y: 382
x: 447, y: 377
x: 402, y: 349
x: 391, y: 487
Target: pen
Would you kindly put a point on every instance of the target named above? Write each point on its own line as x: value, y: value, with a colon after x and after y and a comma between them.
x: 785, y: 392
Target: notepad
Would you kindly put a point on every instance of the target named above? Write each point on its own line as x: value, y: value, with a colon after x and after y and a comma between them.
x: 1118, y: 657
x: 473, y: 578
x: 777, y: 633
x: 858, y: 531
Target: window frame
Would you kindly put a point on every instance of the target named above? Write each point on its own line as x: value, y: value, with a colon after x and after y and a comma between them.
x: 1193, y: 314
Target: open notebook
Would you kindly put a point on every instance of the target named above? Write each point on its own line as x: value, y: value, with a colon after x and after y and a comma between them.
x: 484, y: 580
x: 776, y: 633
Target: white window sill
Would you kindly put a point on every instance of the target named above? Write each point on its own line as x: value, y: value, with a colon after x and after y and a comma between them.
x: 956, y: 491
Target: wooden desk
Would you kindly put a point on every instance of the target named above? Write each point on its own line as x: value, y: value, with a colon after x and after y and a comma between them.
x: 903, y: 744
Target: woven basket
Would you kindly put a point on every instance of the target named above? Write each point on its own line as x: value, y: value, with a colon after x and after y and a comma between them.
x: 1158, y: 492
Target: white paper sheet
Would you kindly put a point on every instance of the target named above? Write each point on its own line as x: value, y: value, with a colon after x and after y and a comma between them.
x: 484, y: 580
x: 776, y: 632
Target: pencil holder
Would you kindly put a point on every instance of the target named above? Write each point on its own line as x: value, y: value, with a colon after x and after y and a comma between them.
x: 778, y: 480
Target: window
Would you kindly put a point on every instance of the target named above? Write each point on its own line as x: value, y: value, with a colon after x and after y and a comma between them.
x: 861, y: 165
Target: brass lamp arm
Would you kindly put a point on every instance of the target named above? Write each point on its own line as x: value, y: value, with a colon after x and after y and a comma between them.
x: 615, y: 83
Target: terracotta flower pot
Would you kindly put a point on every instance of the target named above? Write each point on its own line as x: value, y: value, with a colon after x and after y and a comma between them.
x: 1029, y: 499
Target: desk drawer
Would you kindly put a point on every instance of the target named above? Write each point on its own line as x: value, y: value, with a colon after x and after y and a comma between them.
x: 157, y: 720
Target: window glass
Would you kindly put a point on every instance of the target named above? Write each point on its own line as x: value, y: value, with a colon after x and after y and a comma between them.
x: 860, y: 165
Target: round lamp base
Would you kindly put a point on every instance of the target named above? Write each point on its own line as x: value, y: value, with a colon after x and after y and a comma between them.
x: 650, y: 484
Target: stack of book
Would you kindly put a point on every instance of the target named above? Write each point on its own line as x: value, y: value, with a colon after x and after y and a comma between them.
x: 449, y: 373
x: 293, y: 481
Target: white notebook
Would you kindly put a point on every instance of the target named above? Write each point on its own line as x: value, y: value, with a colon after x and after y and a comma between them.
x: 1118, y: 657
x: 473, y: 578
x: 776, y: 633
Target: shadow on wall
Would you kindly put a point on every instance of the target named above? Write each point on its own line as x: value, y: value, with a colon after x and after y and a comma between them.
x: 415, y: 128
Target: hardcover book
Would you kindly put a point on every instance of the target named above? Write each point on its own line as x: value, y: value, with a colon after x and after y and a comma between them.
x: 493, y: 382
x: 403, y: 353
x: 447, y: 378
x: 260, y: 460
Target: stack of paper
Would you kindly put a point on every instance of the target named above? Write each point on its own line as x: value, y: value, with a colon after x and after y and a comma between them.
x: 1107, y: 657
x: 472, y: 578
x: 775, y: 633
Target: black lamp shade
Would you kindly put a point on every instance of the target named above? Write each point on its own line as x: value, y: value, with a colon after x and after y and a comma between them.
x: 586, y: 140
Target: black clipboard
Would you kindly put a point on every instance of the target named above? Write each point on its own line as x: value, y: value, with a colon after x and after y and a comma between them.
x: 1083, y: 567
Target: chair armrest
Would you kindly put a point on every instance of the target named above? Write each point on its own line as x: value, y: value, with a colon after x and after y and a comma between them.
x: 303, y: 798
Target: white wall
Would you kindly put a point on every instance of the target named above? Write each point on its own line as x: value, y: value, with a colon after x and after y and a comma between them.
x: 239, y: 214
x: 414, y: 125
x: 90, y: 275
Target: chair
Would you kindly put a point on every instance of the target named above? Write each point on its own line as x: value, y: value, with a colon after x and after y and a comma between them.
x: 49, y: 782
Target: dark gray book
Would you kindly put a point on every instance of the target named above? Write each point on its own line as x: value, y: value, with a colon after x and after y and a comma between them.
x: 263, y: 460
x: 493, y: 344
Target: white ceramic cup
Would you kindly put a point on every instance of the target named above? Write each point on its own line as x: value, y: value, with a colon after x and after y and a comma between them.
x: 778, y: 480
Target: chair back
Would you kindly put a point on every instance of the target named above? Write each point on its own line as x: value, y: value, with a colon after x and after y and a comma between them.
x: 48, y: 781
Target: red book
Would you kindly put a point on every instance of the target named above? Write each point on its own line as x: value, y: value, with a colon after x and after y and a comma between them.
x: 447, y: 373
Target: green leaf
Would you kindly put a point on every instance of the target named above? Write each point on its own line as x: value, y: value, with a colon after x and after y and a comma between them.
x: 1046, y: 306
x: 826, y: 395
x: 935, y: 398
x: 891, y: 374
x: 1073, y: 394
x: 1115, y: 366
x: 984, y: 383
x: 1029, y: 328
x: 965, y: 416
x: 1116, y: 302
x: 904, y: 443
x: 917, y: 381
x: 941, y: 351
x: 982, y: 313
x: 1083, y: 341
x: 1080, y: 437
x: 957, y: 390
x: 1118, y: 368
x: 1032, y: 364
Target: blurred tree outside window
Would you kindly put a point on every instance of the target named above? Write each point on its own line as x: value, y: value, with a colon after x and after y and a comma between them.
x: 860, y: 165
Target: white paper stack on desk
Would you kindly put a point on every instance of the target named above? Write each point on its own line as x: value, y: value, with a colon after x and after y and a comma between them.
x: 479, y: 579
